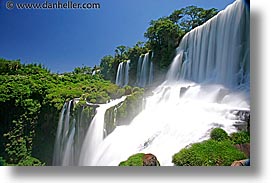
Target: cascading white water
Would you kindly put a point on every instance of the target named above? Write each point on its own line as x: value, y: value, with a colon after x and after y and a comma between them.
x: 217, y: 51
x: 63, y: 143
x: 57, y: 149
x: 145, y: 69
x: 119, y: 75
x: 215, y: 59
x: 151, y: 74
x: 95, y: 135
x: 139, y: 69
x: 127, y: 67
x: 122, y: 77
x: 170, y: 122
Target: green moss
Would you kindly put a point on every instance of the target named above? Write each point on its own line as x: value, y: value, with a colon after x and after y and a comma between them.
x: 130, y: 107
x: 134, y: 160
x: 208, y: 153
x: 218, y: 134
x: 30, y: 161
x: 128, y: 90
x: 240, y: 137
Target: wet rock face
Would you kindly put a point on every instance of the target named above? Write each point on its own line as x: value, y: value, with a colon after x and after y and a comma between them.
x: 183, y: 90
x: 243, y: 119
x: 150, y: 160
x: 245, y: 148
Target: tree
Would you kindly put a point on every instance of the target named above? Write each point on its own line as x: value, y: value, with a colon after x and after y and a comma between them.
x: 83, y: 70
x: 163, y: 38
x: 190, y: 17
x: 121, y: 52
x: 108, y: 68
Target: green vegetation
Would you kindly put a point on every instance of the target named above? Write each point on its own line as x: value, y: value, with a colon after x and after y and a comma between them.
x: 242, y: 137
x: 134, y: 160
x: 124, y: 112
x: 30, y: 161
x: 2, y: 161
x: 163, y: 36
x: 208, y: 153
x: 31, y: 99
x: 218, y: 134
x: 217, y: 151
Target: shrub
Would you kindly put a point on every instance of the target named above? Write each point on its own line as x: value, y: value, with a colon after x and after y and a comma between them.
x: 2, y: 161
x: 134, y: 160
x: 218, y: 134
x: 30, y: 161
x: 128, y: 90
x: 208, y: 153
x: 240, y: 137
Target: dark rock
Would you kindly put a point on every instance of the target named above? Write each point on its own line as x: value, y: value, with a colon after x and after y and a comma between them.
x: 183, y: 90
x: 245, y: 148
x: 243, y: 119
x: 150, y: 160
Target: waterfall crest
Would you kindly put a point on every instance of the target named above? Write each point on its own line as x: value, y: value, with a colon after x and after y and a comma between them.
x: 217, y: 51
x: 145, y: 70
x: 122, y: 77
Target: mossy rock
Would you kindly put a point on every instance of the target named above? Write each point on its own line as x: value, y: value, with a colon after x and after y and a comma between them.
x: 134, y: 160
x: 208, y: 153
x: 218, y: 134
x: 141, y: 159
x: 242, y: 137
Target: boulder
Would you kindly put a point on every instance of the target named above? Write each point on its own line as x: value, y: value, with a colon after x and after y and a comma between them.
x: 141, y: 159
x: 150, y: 160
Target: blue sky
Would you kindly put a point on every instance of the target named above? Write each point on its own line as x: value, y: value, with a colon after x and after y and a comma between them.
x: 64, y: 39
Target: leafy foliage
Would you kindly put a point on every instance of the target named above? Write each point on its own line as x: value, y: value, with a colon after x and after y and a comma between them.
x: 218, y: 134
x: 124, y: 112
x: 190, y: 17
x: 163, y: 37
x: 2, y: 161
x: 208, y: 153
x: 36, y: 97
x: 30, y: 161
x: 240, y: 137
x: 134, y: 160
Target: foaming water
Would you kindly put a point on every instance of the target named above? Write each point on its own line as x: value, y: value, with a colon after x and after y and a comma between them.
x: 171, y: 122
x: 207, y: 81
x: 95, y: 134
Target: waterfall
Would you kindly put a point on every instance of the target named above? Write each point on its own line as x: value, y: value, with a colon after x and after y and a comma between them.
x: 95, y: 135
x: 151, y: 74
x: 119, y: 75
x: 139, y: 69
x: 145, y: 70
x: 72, y: 127
x: 58, y: 141
x: 207, y: 81
x: 217, y: 51
x: 127, y: 67
x: 62, y: 150
x: 122, y: 77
